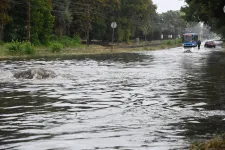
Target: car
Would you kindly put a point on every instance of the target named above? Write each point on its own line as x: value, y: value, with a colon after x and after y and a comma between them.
x: 210, y: 44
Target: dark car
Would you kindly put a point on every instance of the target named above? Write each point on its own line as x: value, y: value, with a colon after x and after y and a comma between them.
x: 210, y: 44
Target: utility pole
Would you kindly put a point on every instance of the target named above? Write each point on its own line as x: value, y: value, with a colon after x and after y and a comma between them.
x: 28, y: 20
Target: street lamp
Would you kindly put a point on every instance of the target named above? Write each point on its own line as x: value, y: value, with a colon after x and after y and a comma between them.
x: 224, y: 9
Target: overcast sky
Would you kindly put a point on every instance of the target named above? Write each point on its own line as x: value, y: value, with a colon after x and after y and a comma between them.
x: 165, y: 5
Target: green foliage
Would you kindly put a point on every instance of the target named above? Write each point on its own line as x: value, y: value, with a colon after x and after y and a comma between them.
x: 84, y: 17
x: 66, y: 41
x: 41, y: 22
x: 63, y: 17
x: 99, y: 29
x: 53, y: 37
x: 1, y: 42
x: 70, y: 42
x: 21, y: 48
x: 172, y: 42
x: 127, y: 35
x: 179, y: 41
x: 172, y: 22
x: 4, y: 16
x: 209, y: 12
x: 27, y: 48
x: 120, y: 35
x: 55, y: 47
x: 169, y: 42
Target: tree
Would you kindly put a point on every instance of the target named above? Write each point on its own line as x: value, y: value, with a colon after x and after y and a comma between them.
x: 63, y: 16
x: 90, y: 18
x: 134, y: 16
x: 209, y: 12
x: 4, y: 17
x: 41, y: 21
x: 173, y: 23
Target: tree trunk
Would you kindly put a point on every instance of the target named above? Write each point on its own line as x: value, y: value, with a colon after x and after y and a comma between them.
x: 1, y: 32
x: 60, y: 32
x: 145, y: 37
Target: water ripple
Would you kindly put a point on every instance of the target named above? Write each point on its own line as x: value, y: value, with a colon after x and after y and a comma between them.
x: 151, y: 100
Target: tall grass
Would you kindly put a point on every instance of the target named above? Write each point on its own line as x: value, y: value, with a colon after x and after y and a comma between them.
x: 217, y: 143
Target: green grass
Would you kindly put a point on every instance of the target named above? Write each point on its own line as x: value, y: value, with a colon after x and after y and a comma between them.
x: 3, y: 50
x: 46, y: 51
x: 176, y: 42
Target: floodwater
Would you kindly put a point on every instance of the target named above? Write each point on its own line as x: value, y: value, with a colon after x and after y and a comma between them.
x: 155, y: 100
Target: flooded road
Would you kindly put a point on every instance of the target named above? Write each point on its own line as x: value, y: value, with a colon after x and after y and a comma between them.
x: 155, y: 100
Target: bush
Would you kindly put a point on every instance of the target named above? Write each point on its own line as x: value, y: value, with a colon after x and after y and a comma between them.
x: 66, y: 41
x: 56, y: 47
x: 172, y: 42
x: 179, y: 41
x: 169, y: 42
x: 53, y: 37
x: 27, y: 48
x: 22, y: 48
x: 69, y: 42
x: 1, y: 42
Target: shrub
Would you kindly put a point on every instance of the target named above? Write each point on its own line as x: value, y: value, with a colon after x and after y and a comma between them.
x: 27, y: 48
x: 56, y: 47
x: 1, y: 42
x: 76, y: 39
x: 69, y: 42
x: 169, y: 42
x: 16, y: 47
x: 13, y: 47
x: 53, y: 37
x: 21, y: 48
x: 120, y: 35
x: 179, y: 41
x: 66, y: 41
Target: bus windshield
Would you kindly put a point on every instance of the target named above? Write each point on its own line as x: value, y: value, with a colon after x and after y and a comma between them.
x: 188, y: 38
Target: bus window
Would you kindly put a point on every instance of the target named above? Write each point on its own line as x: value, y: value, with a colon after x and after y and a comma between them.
x: 195, y: 38
x: 187, y: 38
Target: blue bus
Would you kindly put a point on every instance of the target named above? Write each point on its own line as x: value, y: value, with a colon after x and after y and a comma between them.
x: 190, y: 39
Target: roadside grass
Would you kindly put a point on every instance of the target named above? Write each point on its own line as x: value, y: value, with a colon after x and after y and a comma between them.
x: 3, y: 50
x: 216, y: 143
x: 46, y: 51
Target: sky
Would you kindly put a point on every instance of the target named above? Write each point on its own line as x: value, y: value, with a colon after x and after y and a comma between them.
x: 165, y: 5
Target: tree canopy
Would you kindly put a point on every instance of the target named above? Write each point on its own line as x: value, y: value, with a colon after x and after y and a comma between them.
x: 89, y: 19
x: 209, y: 12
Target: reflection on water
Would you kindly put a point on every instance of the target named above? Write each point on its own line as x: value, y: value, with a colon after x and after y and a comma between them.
x: 152, y: 100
